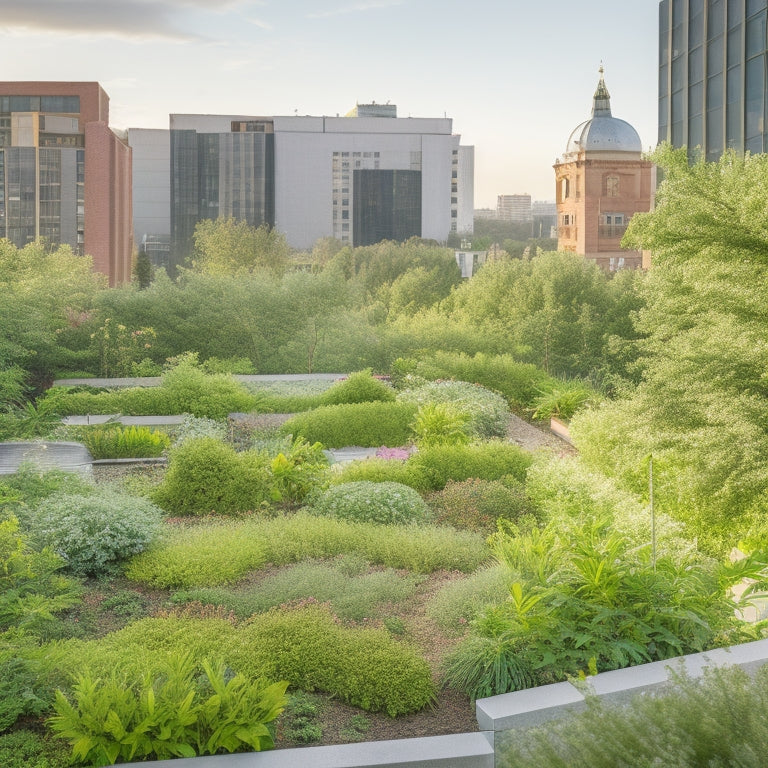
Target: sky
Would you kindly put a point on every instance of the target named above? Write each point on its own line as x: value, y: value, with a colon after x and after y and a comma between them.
x: 515, y: 76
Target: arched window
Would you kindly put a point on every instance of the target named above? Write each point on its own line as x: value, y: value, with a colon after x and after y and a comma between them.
x: 565, y: 188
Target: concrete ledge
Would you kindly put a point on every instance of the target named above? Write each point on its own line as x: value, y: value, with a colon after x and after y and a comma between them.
x: 45, y: 455
x: 532, y: 706
x: 462, y: 750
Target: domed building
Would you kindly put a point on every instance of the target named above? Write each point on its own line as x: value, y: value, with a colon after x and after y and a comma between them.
x: 602, y: 180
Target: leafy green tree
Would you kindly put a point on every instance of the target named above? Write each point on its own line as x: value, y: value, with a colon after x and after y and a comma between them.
x: 701, y: 408
x: 231, y: 247
x: 142, y: 270
x: 556, y: 310
x: 47, y: 299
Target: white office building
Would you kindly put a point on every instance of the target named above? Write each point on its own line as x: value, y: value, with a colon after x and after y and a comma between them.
x: 361, y: 178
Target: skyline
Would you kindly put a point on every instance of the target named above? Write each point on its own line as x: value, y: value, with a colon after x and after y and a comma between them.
x: 516, y: 80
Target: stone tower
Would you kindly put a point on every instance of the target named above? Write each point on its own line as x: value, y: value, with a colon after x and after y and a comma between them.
x: 601, y: 181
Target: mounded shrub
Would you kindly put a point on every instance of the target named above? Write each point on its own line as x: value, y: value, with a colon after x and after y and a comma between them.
x: 520, y: 383
x: 205, y: 476
x: 492, y: 460
x: 362, y: 667
x: 378, y: 470
x: 95, y: 531
x: 476, y: 504
x: 366, y: 502
x: 487, y: 411
x: 363, y: 424
x: 359, y: 387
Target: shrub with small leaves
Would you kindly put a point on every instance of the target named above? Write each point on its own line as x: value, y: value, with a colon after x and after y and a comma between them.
x: 365, y: 424
x: 379, y: 470
x: 199, y: 426
x: 492, y: 460
x: 477, y: 504
x: 368, y: 502
x: 487, y: 414
x: 205, y: 476
x: 95, y: 532
x: 363, y: 667
x: 359, y: 387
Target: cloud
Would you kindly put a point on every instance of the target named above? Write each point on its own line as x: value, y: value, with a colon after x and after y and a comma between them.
x: 364, y: 5
x: 134, y: 19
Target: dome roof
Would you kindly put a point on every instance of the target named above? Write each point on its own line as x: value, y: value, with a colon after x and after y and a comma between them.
x: 603, y: 132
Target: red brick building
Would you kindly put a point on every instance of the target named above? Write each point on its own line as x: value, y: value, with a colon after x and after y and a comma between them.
x: 601, y: 182
x: 65, y: 176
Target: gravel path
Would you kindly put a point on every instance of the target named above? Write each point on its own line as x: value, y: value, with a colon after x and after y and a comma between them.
x: 532, y: 438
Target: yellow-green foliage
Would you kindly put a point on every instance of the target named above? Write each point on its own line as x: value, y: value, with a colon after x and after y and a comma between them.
x: 200, y: 556
x: 364, y: 424
x: 363, y: 667
x: 217, y: 554
x: 206, y: 476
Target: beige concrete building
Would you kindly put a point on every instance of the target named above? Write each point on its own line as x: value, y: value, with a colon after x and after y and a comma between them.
x: 601, y: 182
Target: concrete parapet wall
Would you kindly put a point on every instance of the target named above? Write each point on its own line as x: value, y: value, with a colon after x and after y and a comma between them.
x: 462, y: 750
x: 533, y: 706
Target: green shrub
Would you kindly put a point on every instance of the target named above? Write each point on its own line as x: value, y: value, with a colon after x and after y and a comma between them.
x: 486, y: 411
x: 191, y: 390
x: 362, y: 424
x: 94, y: 532
x: 185, y: 388
x: 237, y: 365
x: 360, y: 387
x: 492, y: 460
x: 30, y: 749
x: 440, y: 424
x: 367, y: 502
x: 718, y: 719
x: 299, y: 471
x: 477, y: 504
x: 583, y: 596
x: 114, y: 442
x: 205, y: 476
x: 362, y: 667
x: 519, y: 383
x: 200, y: 556
x: 31, y: 590
x: 174, y: 711
x: 33, y: 485
x: 144, y: 644
x: 377, y: 470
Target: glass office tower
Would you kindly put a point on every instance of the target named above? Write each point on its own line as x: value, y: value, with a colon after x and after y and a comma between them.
x: 712, y: 75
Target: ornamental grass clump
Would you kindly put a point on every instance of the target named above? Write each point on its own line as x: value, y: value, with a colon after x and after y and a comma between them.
x: 365, y: 502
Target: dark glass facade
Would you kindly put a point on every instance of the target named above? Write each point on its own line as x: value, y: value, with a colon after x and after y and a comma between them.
x: 219, y: 175
x: 712, y: 75
x: 386, y: 206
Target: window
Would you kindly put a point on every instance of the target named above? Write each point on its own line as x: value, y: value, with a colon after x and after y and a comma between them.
x: 612, y: 186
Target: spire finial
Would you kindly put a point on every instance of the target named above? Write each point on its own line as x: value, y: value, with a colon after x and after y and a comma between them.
x: 601, y: 106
